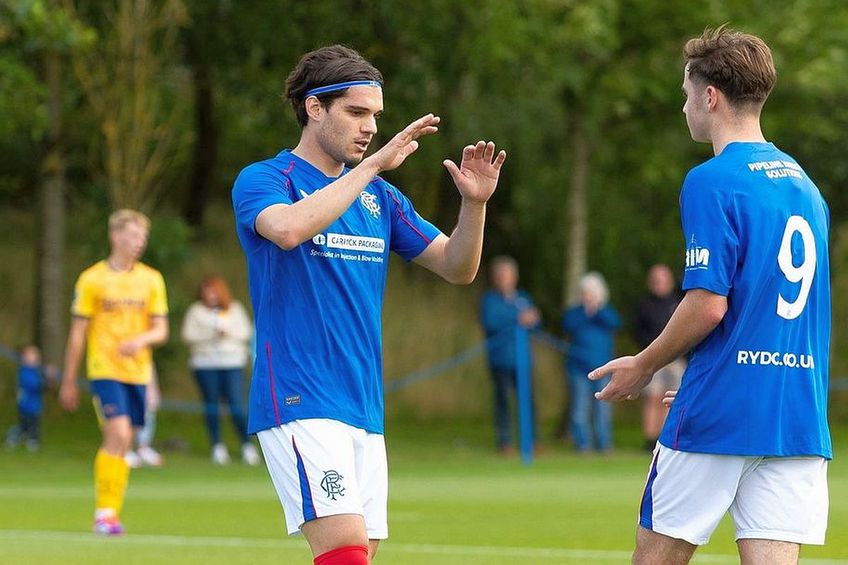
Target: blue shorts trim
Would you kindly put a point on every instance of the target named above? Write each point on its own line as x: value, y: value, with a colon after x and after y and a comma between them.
x: 646, y: 508
x: 114, y: 398
x: 305, y: 490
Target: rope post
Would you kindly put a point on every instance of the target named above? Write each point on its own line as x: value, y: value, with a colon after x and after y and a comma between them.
x: 524, y: 392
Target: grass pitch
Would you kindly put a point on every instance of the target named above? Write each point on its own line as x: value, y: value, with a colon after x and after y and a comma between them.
x: 452, y: 502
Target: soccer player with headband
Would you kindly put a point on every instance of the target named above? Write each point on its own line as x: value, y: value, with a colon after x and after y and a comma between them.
x: 317, y: 224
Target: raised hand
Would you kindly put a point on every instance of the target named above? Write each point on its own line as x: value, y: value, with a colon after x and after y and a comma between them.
x: 476, y: 177
x: 404, y: 144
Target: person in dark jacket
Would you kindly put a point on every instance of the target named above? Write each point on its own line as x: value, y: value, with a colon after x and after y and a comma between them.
x: 652, y: 314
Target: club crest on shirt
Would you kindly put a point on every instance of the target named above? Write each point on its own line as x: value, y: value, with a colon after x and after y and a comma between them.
x: 332, y: 484
x: 369, y: 202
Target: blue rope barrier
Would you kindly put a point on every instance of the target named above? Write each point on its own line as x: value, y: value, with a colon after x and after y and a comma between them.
x: 400, y: 383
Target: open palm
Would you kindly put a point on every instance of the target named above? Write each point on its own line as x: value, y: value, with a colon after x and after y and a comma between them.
x: 476, y: 177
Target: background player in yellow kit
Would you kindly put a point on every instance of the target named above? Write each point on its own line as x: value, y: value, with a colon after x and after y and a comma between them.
x: 120, y: 309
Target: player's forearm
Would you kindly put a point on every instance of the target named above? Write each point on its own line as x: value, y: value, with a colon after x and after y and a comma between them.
x: 289, y: 226
x: 465, y: 245
x: 695, y: 318
x: 73, y: 357
x: 157, y: 334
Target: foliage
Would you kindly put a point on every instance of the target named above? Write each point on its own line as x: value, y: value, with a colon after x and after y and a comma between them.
x: 520, y: 73
x: 135, y: 95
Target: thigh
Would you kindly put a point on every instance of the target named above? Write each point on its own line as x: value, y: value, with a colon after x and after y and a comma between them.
x: 231, y: 385
x: 206, y: 382
x: 687, y: 494
x: 372, y: 471
x: 313, y: 467
x: 331, y: 532
x: 111, y: 399
x: 658, y: 549
x: 136, y: 404
x: 768, y: 552
x: 783, y: 499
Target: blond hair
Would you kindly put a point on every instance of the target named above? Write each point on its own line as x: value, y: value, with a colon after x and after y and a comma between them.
x: 120, y: 218
x: 738, y: 64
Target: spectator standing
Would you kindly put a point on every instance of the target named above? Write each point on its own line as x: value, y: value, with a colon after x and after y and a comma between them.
x: 218, y: 331
x: 31, y: 381
x: 590, y: 326
x: 652, y: 314
x: 503, y: 308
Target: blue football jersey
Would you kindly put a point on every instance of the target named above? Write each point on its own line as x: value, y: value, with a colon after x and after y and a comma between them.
x: 756, y: 231
x: 318, y: 306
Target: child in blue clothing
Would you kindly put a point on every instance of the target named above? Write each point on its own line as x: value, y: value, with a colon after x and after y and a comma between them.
x: 31, y: 381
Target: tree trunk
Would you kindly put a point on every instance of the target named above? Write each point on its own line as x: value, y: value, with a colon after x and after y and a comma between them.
x: 577, y: 212
x: 51, y: 247
x: 206, y: 137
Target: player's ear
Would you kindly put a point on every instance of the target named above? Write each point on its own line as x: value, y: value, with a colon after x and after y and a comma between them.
x: 711, y: 97
x: 314, y: 108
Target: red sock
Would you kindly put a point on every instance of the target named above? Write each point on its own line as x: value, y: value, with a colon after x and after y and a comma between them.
x: 348, y: 555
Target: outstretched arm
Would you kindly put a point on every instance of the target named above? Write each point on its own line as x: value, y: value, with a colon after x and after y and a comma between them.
x: 698, y: 314
x: 289, y: 225
x: 457, y: 258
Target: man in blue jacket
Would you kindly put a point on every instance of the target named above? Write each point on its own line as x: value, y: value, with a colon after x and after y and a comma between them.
x: 502, y: 309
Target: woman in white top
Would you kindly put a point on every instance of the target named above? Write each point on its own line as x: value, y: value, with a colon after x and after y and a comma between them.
x: 218, y: 331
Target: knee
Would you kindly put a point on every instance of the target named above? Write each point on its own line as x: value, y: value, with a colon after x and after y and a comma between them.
x: 117, y: 439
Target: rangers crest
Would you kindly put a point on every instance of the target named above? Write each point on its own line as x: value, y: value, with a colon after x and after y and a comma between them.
x: 369, y: 202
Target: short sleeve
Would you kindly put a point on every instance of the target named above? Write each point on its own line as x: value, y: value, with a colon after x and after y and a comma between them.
x: 85, y: 297
x: 158, y: 296
x: 711, y: 239
x: 257, y: 187
x: 410, y: 233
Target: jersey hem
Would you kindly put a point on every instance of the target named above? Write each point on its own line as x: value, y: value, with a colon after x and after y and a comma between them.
x: 349, y: 421
x: 119, y: 380
x: 824, y: 454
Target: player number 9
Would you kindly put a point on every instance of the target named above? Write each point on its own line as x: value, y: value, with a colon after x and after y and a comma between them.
x: 803, y: 273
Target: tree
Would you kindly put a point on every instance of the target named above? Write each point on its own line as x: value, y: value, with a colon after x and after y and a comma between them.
x: 137, y: 96
x: 46, y: 33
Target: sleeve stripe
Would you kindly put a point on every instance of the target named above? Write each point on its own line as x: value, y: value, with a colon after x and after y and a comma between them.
x: 406, y: 220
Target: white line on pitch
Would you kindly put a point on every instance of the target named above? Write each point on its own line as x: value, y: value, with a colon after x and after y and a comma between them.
x: 389, y: 547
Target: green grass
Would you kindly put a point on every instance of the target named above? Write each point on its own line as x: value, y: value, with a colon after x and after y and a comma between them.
x: 452, y: 502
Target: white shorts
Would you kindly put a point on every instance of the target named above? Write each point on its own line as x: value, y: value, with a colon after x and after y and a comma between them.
x: 773, y: 498
x: 323, y: 467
